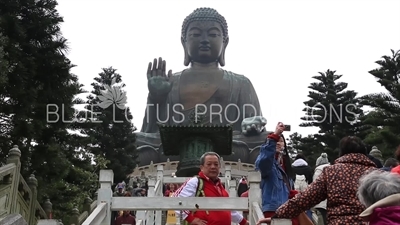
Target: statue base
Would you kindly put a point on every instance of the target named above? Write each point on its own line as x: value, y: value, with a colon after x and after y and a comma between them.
x: 191, y: 142
x: 190, y: 151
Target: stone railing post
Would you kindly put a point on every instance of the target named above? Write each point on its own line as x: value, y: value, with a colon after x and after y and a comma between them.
x: 232, y: 192
x: 87, y: 205
x: 105, y: 193
x: 228, y: 175
x: 130, y: 183
x: 14, y: 156
x: 168, y: 165
x: 151, y: 166
x: 160, y: 174
x: 150, y: 193
x: 159, y: 191
x: 75, y: 216
x: 254, y: 179
x: 32, y: 183
x: 232, y: 188
x: 96, y: 195
x: 48, y: 208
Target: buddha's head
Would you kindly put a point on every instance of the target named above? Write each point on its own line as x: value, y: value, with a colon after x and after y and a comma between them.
x: 204, y: 37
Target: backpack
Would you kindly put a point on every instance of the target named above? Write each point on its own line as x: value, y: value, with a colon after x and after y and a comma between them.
x: 300, y: 183
x: 199, y: 193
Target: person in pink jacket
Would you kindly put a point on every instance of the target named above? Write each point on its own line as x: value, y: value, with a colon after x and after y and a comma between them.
x: 379, y: 191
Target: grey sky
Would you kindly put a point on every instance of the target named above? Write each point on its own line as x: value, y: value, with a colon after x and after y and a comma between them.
x: 278, y: 45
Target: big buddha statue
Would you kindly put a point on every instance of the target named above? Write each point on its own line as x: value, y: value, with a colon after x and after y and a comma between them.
x: 203, y: 89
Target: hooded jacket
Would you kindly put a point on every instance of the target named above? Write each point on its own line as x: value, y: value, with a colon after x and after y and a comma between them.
x: 301, y: 167
x: 384, y: 212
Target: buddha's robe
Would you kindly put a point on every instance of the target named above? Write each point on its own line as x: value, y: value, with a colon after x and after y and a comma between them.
x: 235, y: 94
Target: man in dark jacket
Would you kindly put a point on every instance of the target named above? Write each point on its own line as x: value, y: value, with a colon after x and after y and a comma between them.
x: 389, y: 164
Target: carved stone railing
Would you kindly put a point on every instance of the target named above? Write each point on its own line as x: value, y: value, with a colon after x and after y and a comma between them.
x: 149, y: 211
x: 88, y: 206
x: 13, y: 219
x: 238, y: 168
x: 18, y: 196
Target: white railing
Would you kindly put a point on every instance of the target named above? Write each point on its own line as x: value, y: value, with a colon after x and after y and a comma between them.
x: 149, y: 210
x: 97, y: 216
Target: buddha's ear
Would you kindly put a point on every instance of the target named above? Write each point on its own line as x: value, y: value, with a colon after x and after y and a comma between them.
x: 222, y: 57
x: 187, y: 59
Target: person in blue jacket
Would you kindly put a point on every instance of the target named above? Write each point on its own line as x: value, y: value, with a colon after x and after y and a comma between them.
x: 274, y: 164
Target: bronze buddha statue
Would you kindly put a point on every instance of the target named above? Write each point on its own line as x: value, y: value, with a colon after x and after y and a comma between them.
x: 221, y: 97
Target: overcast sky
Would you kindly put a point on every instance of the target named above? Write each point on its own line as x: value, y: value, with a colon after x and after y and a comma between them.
x: 278, y: 45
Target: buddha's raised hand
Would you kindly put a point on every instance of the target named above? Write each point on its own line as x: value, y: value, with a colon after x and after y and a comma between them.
x: 158, y: 81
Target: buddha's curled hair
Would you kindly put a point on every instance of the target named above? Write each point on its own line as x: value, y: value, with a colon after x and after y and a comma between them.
x: 205, y: 14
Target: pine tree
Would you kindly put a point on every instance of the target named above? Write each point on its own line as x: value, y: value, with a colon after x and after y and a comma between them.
x: 38, y: 79
x: 3, y: 64
x: 108, y: 124
x: 308, y: 146
x: 331, y: 108
x: 384, y: 120
x: 4, y: 118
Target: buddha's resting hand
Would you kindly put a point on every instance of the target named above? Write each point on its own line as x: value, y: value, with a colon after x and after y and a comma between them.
x: 158, y: 81
x: 253, y: 125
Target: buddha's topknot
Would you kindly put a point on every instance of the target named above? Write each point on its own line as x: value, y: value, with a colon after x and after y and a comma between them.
x: 205, y: 14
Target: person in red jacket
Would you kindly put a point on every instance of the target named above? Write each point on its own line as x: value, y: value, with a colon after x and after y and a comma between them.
x: 212, y: 187
x: 125, y: 219
x: 397, y: 168
x: 172, y: 188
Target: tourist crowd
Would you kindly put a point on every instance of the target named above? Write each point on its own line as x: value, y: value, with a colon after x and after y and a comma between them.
x: 355, y: 189
x: 138, y: 188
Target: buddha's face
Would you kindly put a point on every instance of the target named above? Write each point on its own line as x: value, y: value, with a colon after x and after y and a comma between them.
x: 204, y: 41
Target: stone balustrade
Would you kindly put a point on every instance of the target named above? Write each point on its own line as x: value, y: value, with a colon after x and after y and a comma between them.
x: 237, y: 169
x: 18, y: 196
x: 149, y: 212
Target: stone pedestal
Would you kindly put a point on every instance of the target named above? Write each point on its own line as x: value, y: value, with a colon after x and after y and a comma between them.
x: 191, y: 142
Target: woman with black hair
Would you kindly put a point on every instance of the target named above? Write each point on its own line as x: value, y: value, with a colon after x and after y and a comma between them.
x: 242, y: 186
x: 338, y: 184
x: 276, y: 172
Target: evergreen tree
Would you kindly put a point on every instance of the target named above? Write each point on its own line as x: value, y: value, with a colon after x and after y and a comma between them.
x: 3, y: 65
x: 375, y: 135
x: 384, y: 121
x: 333, y: 109
x: 4, y: 118
x: 38, y: 79
x: 309, y: 146
x: 108, y: 125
